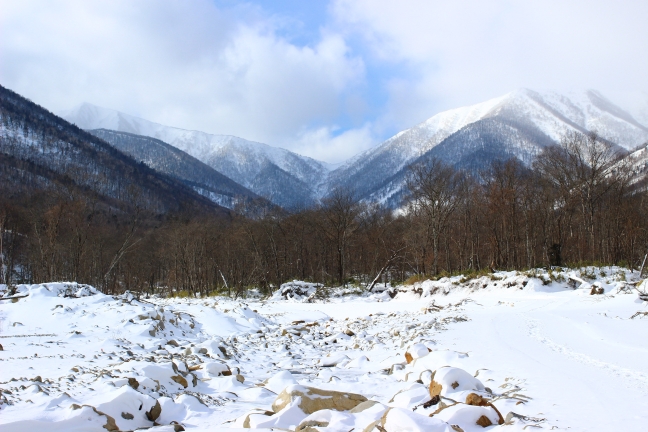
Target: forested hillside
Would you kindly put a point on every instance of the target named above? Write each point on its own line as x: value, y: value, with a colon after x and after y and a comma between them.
x: 167, y: 159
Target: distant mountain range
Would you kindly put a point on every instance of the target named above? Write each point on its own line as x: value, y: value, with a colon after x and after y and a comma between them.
x: 519, y: 124
x: 169, y: 160
x: 286, y: 178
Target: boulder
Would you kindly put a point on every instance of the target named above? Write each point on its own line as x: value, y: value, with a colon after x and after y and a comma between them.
x: 476, y: 400
x: 180, y: 380
x: 154, y: 412
x: 217, y: 369
x: 314, y: 399
x: 401, y: 420
x: 110, y: 422
x: 597, y: 290
x: 415, y: 351
x: 133, y: 383
x: 484, y: 421
x: 447, y: 380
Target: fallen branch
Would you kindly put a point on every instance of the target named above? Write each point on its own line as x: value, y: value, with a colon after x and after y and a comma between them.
x: 14, y: 297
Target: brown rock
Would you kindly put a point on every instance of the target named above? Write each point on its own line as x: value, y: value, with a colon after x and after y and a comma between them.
x: 362, y: 406
x: 127, y: 416
x: 309, y: 426
x: 348, y: 332
x: 240, y: 378
x: 133, y: 383
x: 476, y: 400
x: 180, y: 380
x: 154, y: 412
x: 173, y: 343
x: 597, y: 290
x: 110, y: 422
x: 246, y: 421
x: 484, y: 421
x: 1, y: 348
x: 314, y: 399
x: 195, y: 368
x: 435, y: 388
x: 408, y: 358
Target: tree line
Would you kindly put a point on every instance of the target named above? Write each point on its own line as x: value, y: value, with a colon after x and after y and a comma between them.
x: 578, y: 202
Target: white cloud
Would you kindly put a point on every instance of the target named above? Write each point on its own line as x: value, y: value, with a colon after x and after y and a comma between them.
x: 185, y: 64
x: 376, y: 67
x: 325, y: 144
x: 463, y: 52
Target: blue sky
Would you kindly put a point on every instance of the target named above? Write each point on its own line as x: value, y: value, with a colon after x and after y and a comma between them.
x: 327, y: 79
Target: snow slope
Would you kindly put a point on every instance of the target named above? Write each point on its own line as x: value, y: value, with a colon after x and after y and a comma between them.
x: 542, y: 353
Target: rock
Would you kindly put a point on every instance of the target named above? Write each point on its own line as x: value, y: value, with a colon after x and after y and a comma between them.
x: 110, y: 422
x: 1, y: 348
x: 363, y: 406
x: 484, y: 421
x: 511, y: 416
x: 334, y: 359
x: 597, y: 290
x: 415, y: 351
x: 310, y: 425
x: 180, y: 380
x: 476, y: 400
x: 435, y: 400
x: 37, y: 379
x: 173, y: 343
x: 154, y: 412
x: 195, y: 368
x: 240, y: 378
x: 447, y: 380
x: 246, y: 418
x: 217, y: 369
x: 202, y: 351
x: 314, y: 399
x: 349, y: 332
x: 178, y: 428
x: 133, y: 383
x: 127, y: 416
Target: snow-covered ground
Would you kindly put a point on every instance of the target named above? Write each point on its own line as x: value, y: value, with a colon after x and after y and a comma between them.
x: 448, y: 355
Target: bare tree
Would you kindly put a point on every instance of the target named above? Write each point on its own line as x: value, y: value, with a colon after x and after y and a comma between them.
x: 434, y: 196
x: 340, y: 219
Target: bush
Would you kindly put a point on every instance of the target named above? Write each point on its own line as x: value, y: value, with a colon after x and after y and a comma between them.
x: 420, y: 277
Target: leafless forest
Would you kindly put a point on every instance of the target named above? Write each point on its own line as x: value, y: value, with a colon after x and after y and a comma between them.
x: 578, y: 203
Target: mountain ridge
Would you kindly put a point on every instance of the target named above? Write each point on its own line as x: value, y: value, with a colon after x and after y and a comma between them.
x: 525, y: 121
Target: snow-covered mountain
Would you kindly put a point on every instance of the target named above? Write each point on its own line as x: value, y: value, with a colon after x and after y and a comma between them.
x: 171, y: 161
x: 517, y: 124
x: 284, y: 177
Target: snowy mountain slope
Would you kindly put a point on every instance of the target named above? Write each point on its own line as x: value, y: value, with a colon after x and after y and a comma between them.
x: 517, y: 124
x: 41, y: 153
x: 237, y: 158
x: 169, y: 160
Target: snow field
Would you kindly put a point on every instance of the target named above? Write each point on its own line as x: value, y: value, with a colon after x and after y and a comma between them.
x: 525, y: 350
